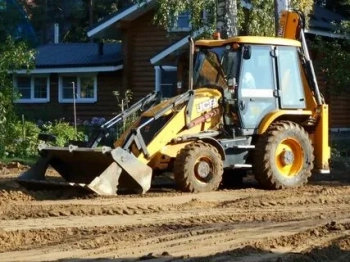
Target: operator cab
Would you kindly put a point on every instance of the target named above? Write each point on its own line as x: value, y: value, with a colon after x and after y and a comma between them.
x: 256, y: 77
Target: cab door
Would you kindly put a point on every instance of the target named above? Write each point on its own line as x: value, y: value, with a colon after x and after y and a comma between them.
x: 292, y: 95
x: 256, y: 85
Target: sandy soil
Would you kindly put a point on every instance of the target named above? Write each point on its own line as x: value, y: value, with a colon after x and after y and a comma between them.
x: 248, y: 224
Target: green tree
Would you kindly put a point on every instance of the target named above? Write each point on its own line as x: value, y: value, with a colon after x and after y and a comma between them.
x: 73, y: 16
x: 255, y: 17
x: 11, y: 17
x: 89, y: 13
x: 14, y: 55
x: 333, y: 55
x: 8, y: 20
x: 339, y: 6
x: 333, y: 62
x: 44, y: 14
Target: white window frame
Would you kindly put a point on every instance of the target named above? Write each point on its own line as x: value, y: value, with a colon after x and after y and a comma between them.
x: 158, y: 75
x: 77, y: 99
x: 32, y: 99
x: 175, y: 28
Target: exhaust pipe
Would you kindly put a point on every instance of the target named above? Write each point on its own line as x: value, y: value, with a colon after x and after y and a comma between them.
x: 191, y: 62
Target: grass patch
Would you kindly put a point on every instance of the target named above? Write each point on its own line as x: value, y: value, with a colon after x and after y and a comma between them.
x: 24, y: 161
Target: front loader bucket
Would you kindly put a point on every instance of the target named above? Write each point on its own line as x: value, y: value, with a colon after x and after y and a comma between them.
x: 103, y: 170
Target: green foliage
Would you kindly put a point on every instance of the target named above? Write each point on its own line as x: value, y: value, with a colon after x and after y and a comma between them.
x: 340, y: 6
x: 258, y: 20
x: 9, y: 18
x: 63, y: 132
x: 168, y: 11
x: 21, y: 139
x: 333, y: 61
x: 333, y: 55
x: 123, y: 104
x: 73, y: 16
x: 14, y: 55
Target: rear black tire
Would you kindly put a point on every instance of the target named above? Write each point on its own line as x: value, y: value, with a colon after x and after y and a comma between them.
x: 283, y: 156
x: 198, y: 168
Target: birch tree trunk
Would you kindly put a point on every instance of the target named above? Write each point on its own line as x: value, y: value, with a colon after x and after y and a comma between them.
x: 280, y: 5
x: 226, y: 15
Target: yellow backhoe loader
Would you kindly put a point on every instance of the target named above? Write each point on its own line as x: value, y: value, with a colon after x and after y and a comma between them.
x: 253, y: 104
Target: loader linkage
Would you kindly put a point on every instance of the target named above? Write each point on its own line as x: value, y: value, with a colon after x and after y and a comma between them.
x: 101, y: 170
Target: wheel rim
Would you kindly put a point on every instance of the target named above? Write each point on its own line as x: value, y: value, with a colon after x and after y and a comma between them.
x: 203, y: 169
x: 289, y: 157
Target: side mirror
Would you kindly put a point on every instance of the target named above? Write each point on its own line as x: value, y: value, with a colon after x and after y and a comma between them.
x: 247, y: 52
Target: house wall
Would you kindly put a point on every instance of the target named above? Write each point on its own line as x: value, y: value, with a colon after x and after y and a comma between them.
x: 339, y: 111
x: 106, y: 105
x: 144, y: 41
x: 339, y: 105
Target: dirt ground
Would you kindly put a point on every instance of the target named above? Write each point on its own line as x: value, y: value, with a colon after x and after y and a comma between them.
x: 311, y: 223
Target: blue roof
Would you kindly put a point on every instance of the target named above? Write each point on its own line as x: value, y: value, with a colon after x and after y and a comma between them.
x: 78, y: 55
x: 107, y: 18
x: 322, y: 18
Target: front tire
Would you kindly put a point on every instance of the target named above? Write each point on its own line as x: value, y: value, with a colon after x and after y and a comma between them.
x: 283, y: 156
x: 198, y: 168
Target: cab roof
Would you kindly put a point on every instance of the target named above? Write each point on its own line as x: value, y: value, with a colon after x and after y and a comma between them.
x: 262, y: 40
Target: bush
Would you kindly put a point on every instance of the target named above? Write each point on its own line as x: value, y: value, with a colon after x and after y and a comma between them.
x: 21, y: 139
x: 63, y: 132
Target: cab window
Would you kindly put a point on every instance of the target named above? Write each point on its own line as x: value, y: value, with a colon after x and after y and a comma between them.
x: 290, y: 82
x: 257, y: 71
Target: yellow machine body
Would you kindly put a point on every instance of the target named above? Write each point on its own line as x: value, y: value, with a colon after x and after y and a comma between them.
x: 218, y: 126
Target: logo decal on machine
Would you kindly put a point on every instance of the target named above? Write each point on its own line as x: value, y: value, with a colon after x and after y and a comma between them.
x: 207, y: 105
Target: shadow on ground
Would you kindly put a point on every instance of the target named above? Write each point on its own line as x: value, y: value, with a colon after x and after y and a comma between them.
x: 332, y: 252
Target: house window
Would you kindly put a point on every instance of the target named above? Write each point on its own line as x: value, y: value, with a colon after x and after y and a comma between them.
x: 166, y: 80
x: 181, y: 23
x: 83, y: 87
x: 32, y: 89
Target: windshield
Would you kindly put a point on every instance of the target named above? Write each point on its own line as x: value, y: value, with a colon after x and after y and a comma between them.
x: 215, y: 66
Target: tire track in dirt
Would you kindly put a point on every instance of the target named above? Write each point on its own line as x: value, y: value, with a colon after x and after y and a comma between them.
x: 18, y: 212
x: 159, y: 217
x: 198, y: 241
x: 27, y: 233
x: 242, y: 224
x: 147, y: 205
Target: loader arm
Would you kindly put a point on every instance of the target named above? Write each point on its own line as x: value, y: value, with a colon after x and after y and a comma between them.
x: 105, y: 128
x: 292, y: 25
x: 128, y: 165
x: 188, y: 114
